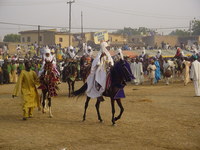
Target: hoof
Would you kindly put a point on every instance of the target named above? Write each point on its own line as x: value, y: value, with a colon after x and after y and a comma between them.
x: 114, y: 125
x: 24, y: 118
x: 116, y: 118
x: 51, y: 116
x: 101, y: 121
x: 83, y: 120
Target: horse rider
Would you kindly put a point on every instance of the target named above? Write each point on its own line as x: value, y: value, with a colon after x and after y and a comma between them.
x: 96, y: 81
x: 118, y: 55
x: 71, y: 53
x: 48, y: 57
x: 178, y: 54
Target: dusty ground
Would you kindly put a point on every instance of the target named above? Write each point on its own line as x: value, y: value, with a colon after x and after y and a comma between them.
x: 156, y: 118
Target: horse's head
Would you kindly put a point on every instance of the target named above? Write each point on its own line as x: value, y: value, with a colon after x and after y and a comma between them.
x: 124, y: 70
x: 48, y: 66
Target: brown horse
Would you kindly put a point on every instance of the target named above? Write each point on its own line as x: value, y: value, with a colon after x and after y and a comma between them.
x: 119, y: 75
x: 70, y: 74
x: 85, y: 64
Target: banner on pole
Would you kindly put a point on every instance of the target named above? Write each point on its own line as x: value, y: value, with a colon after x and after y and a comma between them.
x: 99, y: 36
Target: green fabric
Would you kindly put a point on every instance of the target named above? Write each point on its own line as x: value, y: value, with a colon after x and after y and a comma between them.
x: 33, y: 68
x: 9, y: 68
x: 21, y: 67
x: 13, y: 67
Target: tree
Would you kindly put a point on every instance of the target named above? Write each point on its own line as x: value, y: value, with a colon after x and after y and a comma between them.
x: 12, y: 38
x: 196, y: 27
x: 180, y: 32
x: 130, y: 31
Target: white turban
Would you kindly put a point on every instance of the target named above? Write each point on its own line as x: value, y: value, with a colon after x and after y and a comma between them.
x: 72, y: 54
x: 71, y: 47
x: 87, y: 52
x: 52, y: 51
x: 143, y: 52
x: 103, y: 49
x: 158, y: 53
x: 120, y: 54
x: 47, y: 50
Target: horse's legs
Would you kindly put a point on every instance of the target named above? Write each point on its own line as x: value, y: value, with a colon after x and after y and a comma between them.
x: 113, y: 110
x: 121, y: 109
x: 73, y: 83
x: 44, y: 92
x: 97, y: 105
x: 69, y: 87
x: 86, y: 106
x: 49, y: 104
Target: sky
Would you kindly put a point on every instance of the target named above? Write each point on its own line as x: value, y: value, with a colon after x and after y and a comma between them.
x: 161, y: 15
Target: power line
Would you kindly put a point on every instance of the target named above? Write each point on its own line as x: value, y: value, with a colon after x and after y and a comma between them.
x: 87, y: 28
x: 131, y: 12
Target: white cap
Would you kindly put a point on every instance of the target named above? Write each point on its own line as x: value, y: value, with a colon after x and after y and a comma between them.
x: 119, y: 51
x: 52, y: 51
x: 89, y: 47
x: 71, y: 47
x: 47, y: 50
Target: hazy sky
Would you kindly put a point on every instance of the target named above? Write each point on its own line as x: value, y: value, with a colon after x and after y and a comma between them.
x: 98, y: 14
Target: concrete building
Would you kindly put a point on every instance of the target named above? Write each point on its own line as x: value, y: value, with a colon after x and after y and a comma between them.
x: 47, y: 37
x: 157, y: 40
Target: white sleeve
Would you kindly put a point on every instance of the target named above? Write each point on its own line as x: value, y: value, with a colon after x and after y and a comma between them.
x: 192, y: 71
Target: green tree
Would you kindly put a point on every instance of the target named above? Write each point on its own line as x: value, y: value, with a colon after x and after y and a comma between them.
x: 12, y: 38
x: 128, y: 31
x: 180, y: 32
x: 196, y: 27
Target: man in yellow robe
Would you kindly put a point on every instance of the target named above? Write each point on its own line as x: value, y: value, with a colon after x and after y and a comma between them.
x: 27, y: 83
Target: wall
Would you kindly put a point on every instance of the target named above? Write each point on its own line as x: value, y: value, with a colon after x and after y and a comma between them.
x: 33, y: 37
x: 116, y: 38
x: 149, y: 40
x: 158, y: 39
x: 65, y: 42
x: 172, y: 40
x: 49, y: 38
x: 89, y: 36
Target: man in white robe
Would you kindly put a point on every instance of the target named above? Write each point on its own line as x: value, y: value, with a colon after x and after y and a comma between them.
x: 138, y: 72
x: 96, y: 81
x: 195, y: 75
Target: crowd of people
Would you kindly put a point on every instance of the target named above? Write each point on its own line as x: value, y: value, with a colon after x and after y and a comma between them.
x: 143, y: 67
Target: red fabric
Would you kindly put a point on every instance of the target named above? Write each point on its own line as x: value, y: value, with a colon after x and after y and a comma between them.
x: 108, y: 81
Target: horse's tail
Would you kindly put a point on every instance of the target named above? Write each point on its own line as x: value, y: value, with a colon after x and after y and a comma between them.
x: 81, y: 90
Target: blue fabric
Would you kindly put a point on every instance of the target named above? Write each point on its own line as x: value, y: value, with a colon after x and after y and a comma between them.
x: 120, y: 94
x: 157, y: 72
x: 120, y: 73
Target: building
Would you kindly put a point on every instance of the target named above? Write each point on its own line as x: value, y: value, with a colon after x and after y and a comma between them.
x: 50, y: 37
x: 158, y: 40
x: 45, y: 37
x: 116, y: 38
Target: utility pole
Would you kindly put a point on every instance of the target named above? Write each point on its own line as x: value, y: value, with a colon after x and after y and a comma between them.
x: 190, y: 27
x: 38, y: 40
x: 70, y: 7
x: 81, y: 25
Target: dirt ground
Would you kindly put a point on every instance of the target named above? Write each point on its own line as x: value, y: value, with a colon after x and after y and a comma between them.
x: 156, y: 117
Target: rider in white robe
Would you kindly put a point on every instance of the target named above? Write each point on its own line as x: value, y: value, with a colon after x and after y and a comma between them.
x: 48, y: 57
x: 96, y: 80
